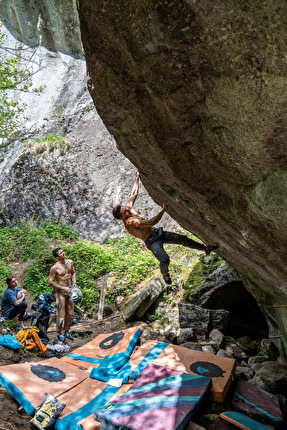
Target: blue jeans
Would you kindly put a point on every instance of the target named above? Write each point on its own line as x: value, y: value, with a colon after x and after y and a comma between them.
x: 155, y: 244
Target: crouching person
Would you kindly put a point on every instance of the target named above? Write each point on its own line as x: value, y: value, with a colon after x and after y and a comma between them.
x: 13, y: 302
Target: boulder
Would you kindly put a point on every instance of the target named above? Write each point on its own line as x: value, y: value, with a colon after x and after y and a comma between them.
x: 201, y: 87
x: 182, y: 315
x: 222, y: 289
x: 195, y: 346
x: 219, y: 319
x: 8, y: 355
x: 139, y: 302
x: 170, y: 333
x: 244, y: 371
x: 179, y: 336
x: 251, y: 347
x: 208, y: 348
x: 223, y: 353
x: 217, y: 337
x: 272, y: 375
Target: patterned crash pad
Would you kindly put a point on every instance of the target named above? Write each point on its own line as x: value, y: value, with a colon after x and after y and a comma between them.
x: 29, y: 382
x: 169, y: 356
x: 94, y: 352
x: 220, y: 369
x: 82, y: 400
x: 160, y: 399
x: 256, y: 403
x: 242, y: 421
x: 83, y: 393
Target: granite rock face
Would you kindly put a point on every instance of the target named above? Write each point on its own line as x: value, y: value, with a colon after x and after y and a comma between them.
x: 81, y: 184
x: 195, y: 94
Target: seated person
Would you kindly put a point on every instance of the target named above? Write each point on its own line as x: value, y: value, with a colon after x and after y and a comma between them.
x: 13, y: 301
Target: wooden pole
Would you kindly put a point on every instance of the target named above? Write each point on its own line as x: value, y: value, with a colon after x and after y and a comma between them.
x: 102, y: 299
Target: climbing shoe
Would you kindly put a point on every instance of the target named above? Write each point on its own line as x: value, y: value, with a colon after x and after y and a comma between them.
x: 69, y: 336
x: 61, y: 338
x: 210, y: 248
x: 167, y: 279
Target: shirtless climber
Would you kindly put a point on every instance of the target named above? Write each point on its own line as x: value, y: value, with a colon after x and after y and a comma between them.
x: 153, y: 237
x: 62, y: 272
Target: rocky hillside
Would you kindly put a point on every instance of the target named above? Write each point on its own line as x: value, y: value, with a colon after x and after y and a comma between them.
x: 194, y: 93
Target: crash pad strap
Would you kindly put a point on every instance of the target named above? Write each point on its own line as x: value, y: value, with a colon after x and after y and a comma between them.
x: 112, y: 364
x: 84, y: 358
x: 109, y: 363
x: 133, y: 341
x: 17, y: 394
x: 149, y: 358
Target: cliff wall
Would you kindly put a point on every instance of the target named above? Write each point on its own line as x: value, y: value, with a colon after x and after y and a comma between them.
x: 195, y: 94
x: 83, y: 182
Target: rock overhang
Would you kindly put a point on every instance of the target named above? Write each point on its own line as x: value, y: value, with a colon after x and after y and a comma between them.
x: 195, y: 95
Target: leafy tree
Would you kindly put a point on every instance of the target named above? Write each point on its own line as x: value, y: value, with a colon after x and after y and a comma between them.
x: 12, y: 78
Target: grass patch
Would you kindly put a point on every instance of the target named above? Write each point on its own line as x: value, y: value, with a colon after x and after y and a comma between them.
x: 47, y: 144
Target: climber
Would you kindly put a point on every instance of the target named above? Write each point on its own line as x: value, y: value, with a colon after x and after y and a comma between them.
x: 154, y: 238
x: 13, y: 302
x: 62, y: 272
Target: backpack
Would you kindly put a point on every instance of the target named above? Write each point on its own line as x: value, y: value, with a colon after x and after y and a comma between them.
x: 40, y: 319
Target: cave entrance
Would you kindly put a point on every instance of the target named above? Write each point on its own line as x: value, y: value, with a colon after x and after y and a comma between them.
x: 246, y: 318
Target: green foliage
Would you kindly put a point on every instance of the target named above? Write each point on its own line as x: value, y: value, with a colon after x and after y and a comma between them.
x: 158, y: 317
x: 167, y: 298
x: 90, y: 259
x: 58, y: 230
x: 7, y: 245
x: 22, y: 242
x: 131, y: 261
x: 37, y: 278
x: 126, y: 258
x: 5, y: 272
x: 12, y: 78
x: 47, y: 144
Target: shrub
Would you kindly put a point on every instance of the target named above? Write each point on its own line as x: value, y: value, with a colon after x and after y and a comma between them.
x: 58, y: 230
x: 5, y: 272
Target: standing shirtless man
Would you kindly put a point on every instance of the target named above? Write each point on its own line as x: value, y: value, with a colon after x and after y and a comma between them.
x: 154, y: 238
x: 62, y: 272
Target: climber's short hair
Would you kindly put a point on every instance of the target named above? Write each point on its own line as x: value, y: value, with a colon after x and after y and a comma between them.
x: 117, y: 212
